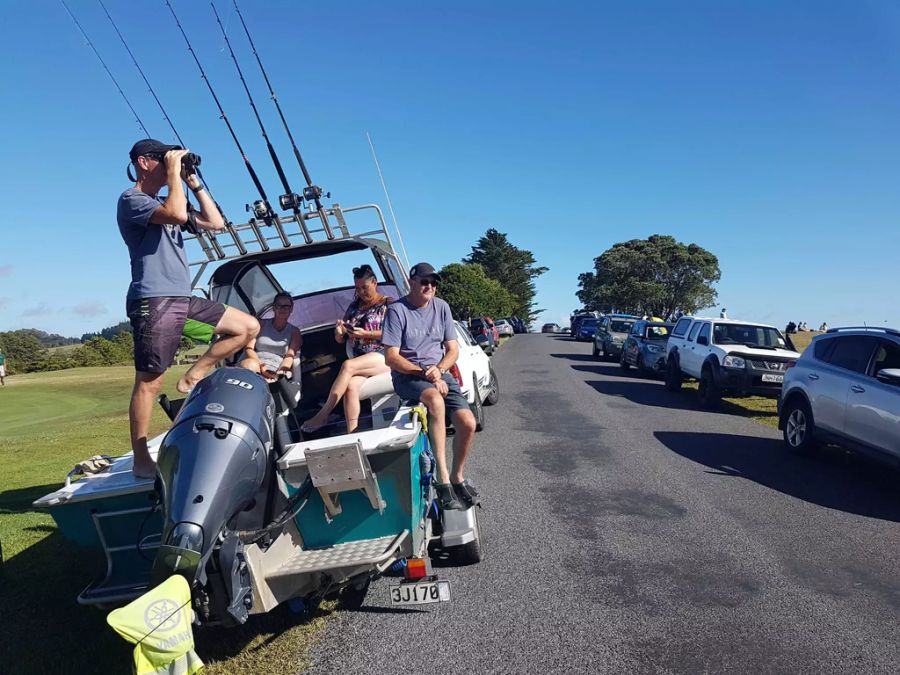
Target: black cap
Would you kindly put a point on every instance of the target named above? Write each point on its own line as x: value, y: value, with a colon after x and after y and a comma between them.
x: 424, y: 270
x: 147, y: 146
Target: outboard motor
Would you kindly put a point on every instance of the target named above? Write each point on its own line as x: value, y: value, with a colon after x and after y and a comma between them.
x: 211, y: 465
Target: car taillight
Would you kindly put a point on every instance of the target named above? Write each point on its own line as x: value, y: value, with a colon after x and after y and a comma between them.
x: 454, y: 371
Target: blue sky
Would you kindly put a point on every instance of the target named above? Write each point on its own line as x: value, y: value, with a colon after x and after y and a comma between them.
x: 767, y: 132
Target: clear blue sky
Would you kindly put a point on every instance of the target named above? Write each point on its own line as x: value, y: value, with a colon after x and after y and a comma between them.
x: 767, y: 132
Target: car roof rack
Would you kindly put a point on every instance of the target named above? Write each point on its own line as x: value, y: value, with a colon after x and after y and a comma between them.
x: 874, y: 329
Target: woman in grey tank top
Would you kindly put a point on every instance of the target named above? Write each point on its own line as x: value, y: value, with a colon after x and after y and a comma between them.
x: 361, y: 325
x: 278, y: 344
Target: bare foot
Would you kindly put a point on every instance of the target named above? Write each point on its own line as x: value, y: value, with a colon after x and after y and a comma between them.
x: 185, y: 385
x: 144, y: 468
x: 312, y: 424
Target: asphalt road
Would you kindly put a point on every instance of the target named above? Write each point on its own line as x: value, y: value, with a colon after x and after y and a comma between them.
x: 628, y: 531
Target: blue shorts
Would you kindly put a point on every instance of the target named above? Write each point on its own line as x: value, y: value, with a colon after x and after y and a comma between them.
x: 411, y: 388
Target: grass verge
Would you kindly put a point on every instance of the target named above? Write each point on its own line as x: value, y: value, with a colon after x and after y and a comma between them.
x: 48, y: 422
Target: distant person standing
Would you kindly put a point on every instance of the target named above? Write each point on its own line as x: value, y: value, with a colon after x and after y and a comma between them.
x: 159, y: 300
x: 723, y: 314
x: 823, y: 327
x: 2, y: 368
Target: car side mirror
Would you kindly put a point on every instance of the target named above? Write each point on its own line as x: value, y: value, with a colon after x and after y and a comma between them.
x: 889, y: 375
x: 702, y: 340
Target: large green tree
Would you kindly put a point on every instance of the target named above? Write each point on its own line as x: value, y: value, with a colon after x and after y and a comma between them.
x: 513, y: 267
x: 470, y: 293
x: 656, y: 276
x: 24, y: 352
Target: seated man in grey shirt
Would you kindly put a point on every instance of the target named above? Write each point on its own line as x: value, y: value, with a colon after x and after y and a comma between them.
x: 420, y: 347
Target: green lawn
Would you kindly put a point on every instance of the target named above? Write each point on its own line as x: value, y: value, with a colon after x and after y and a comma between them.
x: 48, y: 422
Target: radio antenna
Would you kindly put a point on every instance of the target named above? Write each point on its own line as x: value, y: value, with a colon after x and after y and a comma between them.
x: 388, y: 198
x: 312, y: 192
x: 106, y: 68
x: 261, y: 209
x: 289, y: 200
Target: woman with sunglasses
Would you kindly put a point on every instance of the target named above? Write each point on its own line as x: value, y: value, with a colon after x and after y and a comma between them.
x: 362, y: 326
x: 275, y: 349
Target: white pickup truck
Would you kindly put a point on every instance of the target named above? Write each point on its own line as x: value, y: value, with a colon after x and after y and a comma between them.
x: 730, y: 357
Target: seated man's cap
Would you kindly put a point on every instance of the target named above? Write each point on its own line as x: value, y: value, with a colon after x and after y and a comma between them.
x: 147, y: 146
x: 424, y: 269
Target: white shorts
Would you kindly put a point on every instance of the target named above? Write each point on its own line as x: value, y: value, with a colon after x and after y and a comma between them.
x: 2, y: 371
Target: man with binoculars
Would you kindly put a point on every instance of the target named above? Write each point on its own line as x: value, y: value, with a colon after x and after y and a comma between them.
x: 159, y: 303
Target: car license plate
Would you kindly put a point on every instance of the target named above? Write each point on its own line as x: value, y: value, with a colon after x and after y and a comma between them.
x: 420, y: 592
x: 772, y: 378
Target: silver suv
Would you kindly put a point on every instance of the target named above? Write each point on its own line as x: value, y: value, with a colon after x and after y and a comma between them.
x: 845, y: 388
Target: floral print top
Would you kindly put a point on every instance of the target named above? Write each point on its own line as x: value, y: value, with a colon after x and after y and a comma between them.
x: 370, y: 318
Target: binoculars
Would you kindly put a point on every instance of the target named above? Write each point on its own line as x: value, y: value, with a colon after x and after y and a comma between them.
x: 191, y: 159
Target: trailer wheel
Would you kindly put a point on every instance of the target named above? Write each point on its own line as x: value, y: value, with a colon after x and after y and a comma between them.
x: 471, y: 553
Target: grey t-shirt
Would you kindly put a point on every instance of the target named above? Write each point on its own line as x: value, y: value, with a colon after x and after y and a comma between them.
x: 272, y: 344
x: 159, y: 266
x: 419, y: 332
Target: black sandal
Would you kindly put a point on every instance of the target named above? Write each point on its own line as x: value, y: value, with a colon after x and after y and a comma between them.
x: 466, y: 492
x: 447, y: 498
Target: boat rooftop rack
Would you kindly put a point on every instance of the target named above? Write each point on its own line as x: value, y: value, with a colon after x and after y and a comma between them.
x: 282, y: 233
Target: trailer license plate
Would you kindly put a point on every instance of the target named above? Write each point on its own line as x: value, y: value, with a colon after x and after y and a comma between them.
x: 420, y: 593
x: 772, y: 378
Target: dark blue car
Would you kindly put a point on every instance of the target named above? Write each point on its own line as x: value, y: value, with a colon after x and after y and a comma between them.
x: 587, y: 329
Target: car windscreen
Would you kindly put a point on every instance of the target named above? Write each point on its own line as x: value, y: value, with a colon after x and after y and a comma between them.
x: 620, y: 326
x: 589, y: 323
x: 764, y: 337
x: 656, y: 332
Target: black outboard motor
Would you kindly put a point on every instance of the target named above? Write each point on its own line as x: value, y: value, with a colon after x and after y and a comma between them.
x: 211, y: 465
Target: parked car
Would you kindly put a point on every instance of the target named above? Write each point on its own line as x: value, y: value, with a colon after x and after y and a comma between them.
x: 587, y: 329
x: 504, y: 327
x: 845, y: 388
x: 483, y: 332
x: 493, y: 327
x: 577, y: 319
x: 645, y: 347
x: 519, y: 325
x: 475, y: 374
x: 730, y: 357
x: 612, y: 331
x: 550, y: 328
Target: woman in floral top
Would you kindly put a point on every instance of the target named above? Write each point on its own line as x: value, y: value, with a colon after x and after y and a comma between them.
x: 362, y: 326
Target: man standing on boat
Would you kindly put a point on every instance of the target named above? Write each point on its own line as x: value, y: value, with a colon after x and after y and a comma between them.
x: 159, y: 302
x: 420, y: 341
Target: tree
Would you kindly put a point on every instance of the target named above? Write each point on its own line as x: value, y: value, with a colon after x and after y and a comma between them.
x: 24, y: 352
x: 470, y: 293
x: 110, y: 332
x: 514, y: 268
x: 655, y: 276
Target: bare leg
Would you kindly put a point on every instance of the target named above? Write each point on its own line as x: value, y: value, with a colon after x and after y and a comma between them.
x: 146, y: 387
x: 464, y: 426
x: 434, y: 402
x: 236, y: 329
x: 366, y: 365
x: 351, y: 402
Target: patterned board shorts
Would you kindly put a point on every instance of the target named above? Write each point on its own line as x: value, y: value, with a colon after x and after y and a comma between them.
x: 159, y: 323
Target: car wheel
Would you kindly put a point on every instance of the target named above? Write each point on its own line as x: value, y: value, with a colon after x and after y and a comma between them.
x: 674, y: 378
x: 709, y: 393
x: 640, y: 365
x: 494, y: 394
x: 477, y: 407
x: 623, y: 364
x: 799, y: 430
x: 594, y: 351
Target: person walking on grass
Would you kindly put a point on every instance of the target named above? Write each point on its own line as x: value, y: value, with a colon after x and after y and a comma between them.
x: 159, y: 303
x: 2, y: 369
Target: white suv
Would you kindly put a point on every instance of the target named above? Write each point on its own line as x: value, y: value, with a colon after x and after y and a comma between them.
x: 727, y: 356
x: 845, y: 389
x: 475, y: 374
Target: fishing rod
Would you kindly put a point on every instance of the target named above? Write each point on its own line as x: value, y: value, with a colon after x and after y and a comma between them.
x: 261, y: 209
x: 311, y: 192
x: 289, y: 200
x: 108, y: 71
x: 228, y: 224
